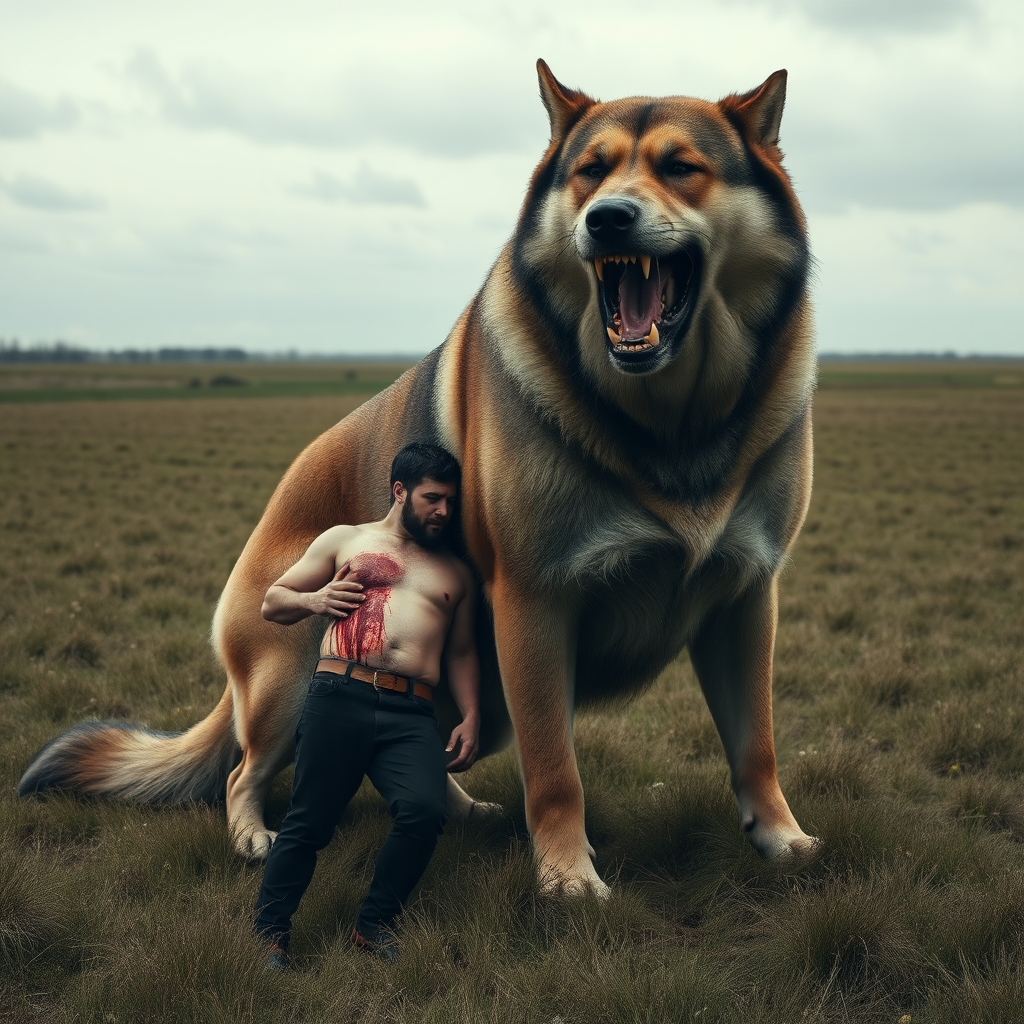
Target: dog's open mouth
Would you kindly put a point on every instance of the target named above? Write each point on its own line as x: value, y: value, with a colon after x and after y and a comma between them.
x: 646, y: 301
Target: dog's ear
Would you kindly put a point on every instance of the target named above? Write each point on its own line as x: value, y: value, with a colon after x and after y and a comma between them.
x: 564, y: 105
x: 758, y: 113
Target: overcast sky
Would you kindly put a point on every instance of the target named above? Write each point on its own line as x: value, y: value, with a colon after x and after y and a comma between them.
x: 334, y: 177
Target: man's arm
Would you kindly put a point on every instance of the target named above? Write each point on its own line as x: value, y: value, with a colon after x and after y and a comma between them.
x: 313, y: 587
x: 464, y: 680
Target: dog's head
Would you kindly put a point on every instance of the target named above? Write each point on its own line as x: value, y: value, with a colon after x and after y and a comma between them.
x: 661, y: 226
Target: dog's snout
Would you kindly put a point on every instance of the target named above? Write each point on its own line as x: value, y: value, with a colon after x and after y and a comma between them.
x: 610, y: 220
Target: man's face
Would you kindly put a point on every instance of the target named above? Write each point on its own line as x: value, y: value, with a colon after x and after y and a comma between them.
x: 427, y: 510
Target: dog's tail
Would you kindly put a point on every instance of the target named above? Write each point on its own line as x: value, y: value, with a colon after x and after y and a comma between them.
x: 121, y: 761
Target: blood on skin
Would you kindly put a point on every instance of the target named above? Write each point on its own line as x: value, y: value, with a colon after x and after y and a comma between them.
x: 363, y: 632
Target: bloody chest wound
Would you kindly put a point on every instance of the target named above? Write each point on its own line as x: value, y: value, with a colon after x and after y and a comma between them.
x: 363, y: 633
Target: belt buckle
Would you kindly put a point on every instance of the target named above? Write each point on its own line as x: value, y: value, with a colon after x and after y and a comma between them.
x: 375, y: 686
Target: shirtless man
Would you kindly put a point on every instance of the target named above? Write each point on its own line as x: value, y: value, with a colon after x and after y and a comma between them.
x: 397, y: 602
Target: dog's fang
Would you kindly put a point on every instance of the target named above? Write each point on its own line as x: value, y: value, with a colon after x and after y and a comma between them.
x: 645, y: 263
x: 654, y: 337
x: 599, y: 267
x: 612, y: 336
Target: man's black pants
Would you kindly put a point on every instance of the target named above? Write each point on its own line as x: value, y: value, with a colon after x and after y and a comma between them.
x: 347, y: 730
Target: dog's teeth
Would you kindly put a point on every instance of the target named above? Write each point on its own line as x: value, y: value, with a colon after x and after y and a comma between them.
x: 654, y: 337
x: 612, y: 336
x: 632, y: 259
x: 599, y: 267
x: 645, y: 263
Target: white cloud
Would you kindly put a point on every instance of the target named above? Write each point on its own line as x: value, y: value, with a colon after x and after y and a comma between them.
x: 24, y: 116
x: 41, y: 194
x: 927, y: 147
x: 913, y: 17
x: 366, y: 187
x: 907, y: 280
x: 338, y: 112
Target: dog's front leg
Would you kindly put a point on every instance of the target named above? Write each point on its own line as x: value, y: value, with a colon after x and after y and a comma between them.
x: 536, y: 659
x: 732, y: 654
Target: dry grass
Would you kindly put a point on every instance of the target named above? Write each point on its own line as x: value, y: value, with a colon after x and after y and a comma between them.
x: 899, y: 669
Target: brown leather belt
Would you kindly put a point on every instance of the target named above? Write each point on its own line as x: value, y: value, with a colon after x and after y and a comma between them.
x: 375, y: 677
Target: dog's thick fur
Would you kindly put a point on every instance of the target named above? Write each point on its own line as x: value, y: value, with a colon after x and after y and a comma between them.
x: 626, y: 492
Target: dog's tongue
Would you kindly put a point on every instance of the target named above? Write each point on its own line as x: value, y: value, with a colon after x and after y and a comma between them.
x: 639, y: 301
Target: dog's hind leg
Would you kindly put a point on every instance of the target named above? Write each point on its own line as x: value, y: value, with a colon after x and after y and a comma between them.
x: 265, y: 720
x: 267, y: 668
x: 732, y: 655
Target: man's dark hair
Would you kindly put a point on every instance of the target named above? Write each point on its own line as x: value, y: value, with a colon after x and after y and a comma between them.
x: 418, y: 462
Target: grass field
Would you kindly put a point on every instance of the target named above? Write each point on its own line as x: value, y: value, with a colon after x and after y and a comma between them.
x: 94, y: 382
x: 899, y: 725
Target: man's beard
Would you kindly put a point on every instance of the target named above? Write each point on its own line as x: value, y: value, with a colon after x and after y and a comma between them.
x: 419, y: 531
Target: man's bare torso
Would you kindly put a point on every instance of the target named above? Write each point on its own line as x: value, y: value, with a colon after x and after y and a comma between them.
x: 411, y: 594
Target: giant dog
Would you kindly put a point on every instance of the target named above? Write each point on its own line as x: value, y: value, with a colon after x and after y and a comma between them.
x: 629, y: 395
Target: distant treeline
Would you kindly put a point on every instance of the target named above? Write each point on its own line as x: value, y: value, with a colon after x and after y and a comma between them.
x: 910, y: 357
x: 13, y: 351
x: 61, y: 352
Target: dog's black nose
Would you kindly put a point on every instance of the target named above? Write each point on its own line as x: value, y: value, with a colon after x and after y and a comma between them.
x: 610, y: 220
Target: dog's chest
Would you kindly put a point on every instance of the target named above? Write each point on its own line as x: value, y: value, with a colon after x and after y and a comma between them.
x: 588, y: 534
x: 588, y: 539
x: 639, y: 600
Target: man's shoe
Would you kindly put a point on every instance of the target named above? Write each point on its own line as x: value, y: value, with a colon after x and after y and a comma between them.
x: 385, y: 947
x: 277, y: 959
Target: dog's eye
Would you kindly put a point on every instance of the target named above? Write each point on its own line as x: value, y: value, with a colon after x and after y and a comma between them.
x: 595, y: 171
x: 680, y: 169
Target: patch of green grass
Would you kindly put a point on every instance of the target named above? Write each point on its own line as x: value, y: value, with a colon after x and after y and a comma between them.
x: 261, y: 389
x: 960, y: 373
x: 30, y: 383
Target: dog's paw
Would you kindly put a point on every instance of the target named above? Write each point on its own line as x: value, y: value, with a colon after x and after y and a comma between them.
x: 463, y: 807
x: 582, y: 880
x: 782, y: 843
x: 254, y: 843
x: 801, y: 848
x: 481, y: 809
